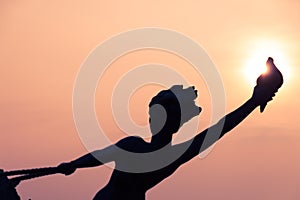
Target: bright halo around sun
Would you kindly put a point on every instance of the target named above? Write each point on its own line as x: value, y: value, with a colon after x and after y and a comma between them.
x: 256, y: 63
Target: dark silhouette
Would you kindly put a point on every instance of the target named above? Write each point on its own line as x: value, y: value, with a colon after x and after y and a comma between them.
x: 150, y: 163
x: 131, y: 179
x: 272, y: 79
x: 7, y: 189
x: 7, y: 186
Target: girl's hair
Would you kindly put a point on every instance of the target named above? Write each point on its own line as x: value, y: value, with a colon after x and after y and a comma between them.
x: 168, y: 100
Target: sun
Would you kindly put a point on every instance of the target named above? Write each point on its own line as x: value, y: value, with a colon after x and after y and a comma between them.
x: 256, y: 63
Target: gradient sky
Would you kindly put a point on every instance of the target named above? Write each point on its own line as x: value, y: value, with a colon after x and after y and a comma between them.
x: 43, y: 44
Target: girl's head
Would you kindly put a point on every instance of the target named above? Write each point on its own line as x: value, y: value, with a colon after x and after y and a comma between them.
x: 171, y: 108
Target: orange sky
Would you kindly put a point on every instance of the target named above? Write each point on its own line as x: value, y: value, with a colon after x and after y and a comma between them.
x: 43, y: 44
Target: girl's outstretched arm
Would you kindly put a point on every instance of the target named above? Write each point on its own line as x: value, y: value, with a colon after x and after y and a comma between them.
x: 93, y: 159
x: 209, y: 136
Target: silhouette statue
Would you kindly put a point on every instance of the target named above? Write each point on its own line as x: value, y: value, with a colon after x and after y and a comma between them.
x: 153, y: 161
x: 180, y: 107
x: 7, y: 190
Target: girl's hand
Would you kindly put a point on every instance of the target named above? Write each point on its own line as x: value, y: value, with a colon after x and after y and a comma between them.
x: 66, y: 168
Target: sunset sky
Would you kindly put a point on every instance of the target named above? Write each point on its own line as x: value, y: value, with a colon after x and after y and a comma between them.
x: 44, y: 43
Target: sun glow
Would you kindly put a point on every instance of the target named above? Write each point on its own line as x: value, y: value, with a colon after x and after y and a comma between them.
x: 256, y: 63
